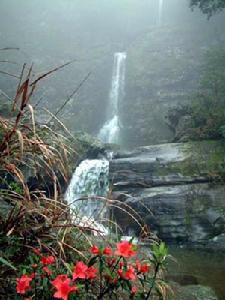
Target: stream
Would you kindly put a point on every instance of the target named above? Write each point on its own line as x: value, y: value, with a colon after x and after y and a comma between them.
x: 206, y: 267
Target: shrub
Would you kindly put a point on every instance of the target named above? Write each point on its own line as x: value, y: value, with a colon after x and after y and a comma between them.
x: 107, y: 274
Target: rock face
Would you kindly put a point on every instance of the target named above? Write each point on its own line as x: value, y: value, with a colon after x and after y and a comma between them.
x: 194, y: 292
x: 172, y: 188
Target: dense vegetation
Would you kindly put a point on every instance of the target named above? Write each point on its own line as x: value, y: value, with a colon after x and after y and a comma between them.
x: 44, y: 247
x: 204, y: 117
x: 209, y: 7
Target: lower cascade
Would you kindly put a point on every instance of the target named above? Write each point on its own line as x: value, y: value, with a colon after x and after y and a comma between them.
x: 88, y: 184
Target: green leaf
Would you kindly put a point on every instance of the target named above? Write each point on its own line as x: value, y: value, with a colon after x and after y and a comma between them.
x: 7, y: 263
x: 92, y: 261
x: 101, y: 265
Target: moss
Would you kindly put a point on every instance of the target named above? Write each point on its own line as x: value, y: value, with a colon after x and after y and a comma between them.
x: 202, y: 158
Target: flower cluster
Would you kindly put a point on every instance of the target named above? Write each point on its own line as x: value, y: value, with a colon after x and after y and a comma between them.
x: 106, y: 272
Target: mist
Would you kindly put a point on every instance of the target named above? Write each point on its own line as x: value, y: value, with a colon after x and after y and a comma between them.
x: 112, y: 132
x: 89, y: 33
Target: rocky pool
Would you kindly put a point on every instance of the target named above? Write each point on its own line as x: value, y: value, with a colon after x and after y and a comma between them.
x: 195, y: 267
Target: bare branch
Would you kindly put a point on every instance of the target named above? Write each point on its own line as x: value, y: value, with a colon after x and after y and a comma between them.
x: 9, y: 74
x: 72, y: 94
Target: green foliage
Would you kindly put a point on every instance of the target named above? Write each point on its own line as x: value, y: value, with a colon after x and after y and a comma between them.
x: 15, y: 187
x: 208, y: 7
x: 105, y: 274
x: 160, y: 252
x: 206, y: 111
x: 6, y: 263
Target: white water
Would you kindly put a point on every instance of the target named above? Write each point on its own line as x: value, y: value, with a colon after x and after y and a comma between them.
x: 160, y: 15
x: 109, y: 133
x: 89, y: 181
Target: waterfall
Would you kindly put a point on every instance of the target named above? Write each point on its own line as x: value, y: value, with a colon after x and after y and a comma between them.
x: 160, y: 13
x: 109, y: 133
x: 89, y: 181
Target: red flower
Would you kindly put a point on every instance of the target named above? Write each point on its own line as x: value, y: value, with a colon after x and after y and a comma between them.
x: 125, y: 249
x: 83, y: 272
x: 138, y: 265
x: 46, y: 270
x: 133, y: 290
x: 130, y: 273
x: 62, y: 284
x: 80, y: 270
x: 95, y: 250
x: 91, y: 273
x: 107, y: 251
x: 34, y: 266
x: 23, y: 284
x: 120, y: 273
x: 142, y: 268
x: 145, y: 268
x: 37, y: 251
x: 48, y: 260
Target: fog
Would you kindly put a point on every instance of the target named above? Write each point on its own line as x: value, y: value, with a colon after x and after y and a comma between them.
x: 116, y: 137
x: 162, y: 67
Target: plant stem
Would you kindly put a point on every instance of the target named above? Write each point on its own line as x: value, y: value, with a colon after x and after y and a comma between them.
x: 153, y: 281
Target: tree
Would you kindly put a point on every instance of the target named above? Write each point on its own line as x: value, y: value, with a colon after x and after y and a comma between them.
x: 208, y: 7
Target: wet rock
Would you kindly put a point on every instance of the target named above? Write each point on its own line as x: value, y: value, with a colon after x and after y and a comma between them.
x: 181, y: 213
x: 171, y: 189
x: 183, y: 279
x: 218, y: 242
x: 194, y: 292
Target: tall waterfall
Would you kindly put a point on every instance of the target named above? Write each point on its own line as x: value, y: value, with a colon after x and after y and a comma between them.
x: 89, y: 180
x: 160, y: 13
x: 109, y: 133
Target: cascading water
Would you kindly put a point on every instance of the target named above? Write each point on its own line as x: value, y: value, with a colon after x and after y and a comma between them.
x: 160, y: 14
x: 109, y: 133
x: 89, y: 181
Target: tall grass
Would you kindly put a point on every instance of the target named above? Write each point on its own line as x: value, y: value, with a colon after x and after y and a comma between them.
x: 37, y: 216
